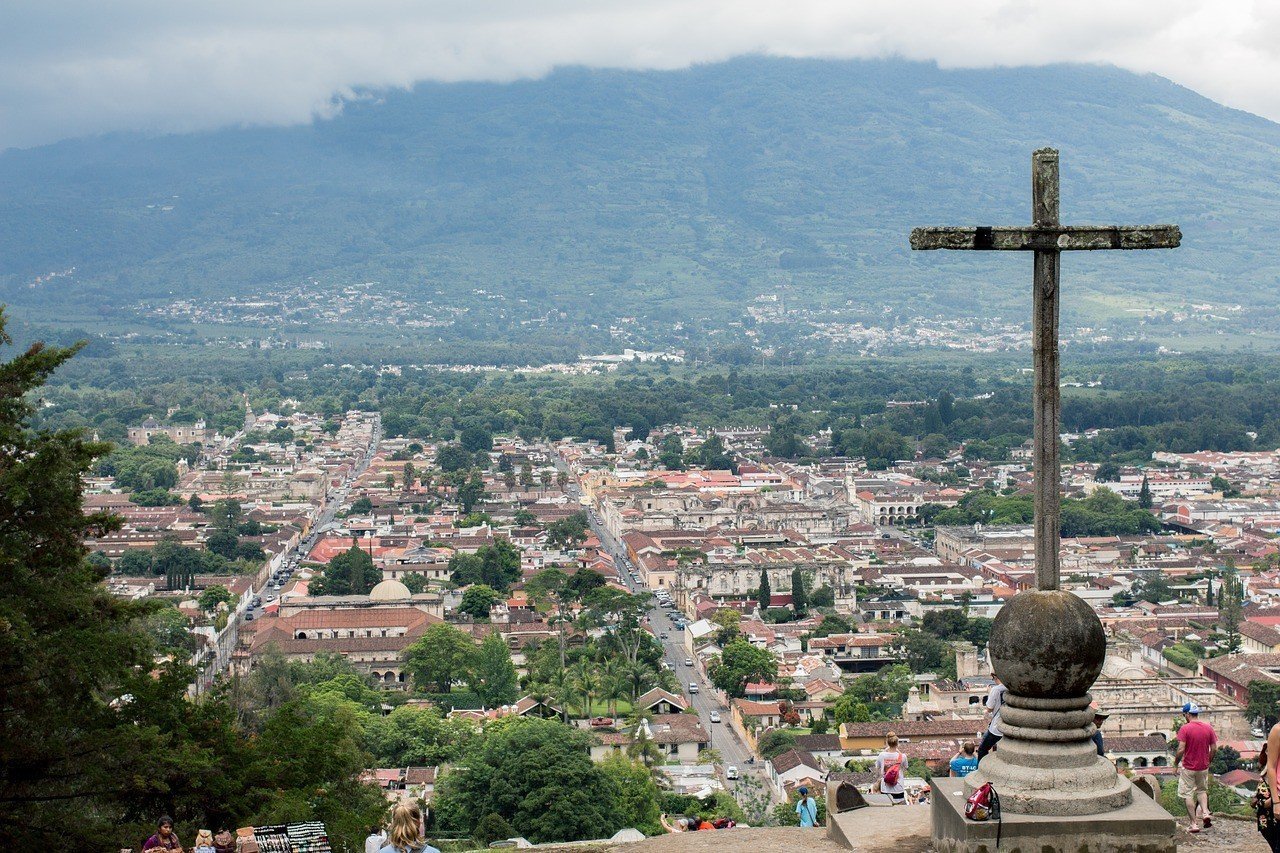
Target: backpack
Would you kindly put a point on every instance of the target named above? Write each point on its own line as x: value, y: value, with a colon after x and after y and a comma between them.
x: 984, y: 804
x: 893, y: 772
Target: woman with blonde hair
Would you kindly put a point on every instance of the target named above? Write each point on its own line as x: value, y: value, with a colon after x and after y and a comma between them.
x: 890, y: 768
x: 405, y: 834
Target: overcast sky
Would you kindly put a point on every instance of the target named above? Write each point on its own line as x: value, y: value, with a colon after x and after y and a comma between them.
x: 73, y: 67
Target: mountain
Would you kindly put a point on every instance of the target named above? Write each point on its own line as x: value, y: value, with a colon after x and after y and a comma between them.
x: 670, y: 197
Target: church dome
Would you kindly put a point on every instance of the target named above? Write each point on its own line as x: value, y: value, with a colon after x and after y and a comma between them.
x: 389, y: 590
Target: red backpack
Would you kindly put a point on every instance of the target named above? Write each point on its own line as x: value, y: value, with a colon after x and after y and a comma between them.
x: 984, y: 804
x: 893, y: 772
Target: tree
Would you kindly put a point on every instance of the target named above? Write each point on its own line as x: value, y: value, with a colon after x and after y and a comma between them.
x: 223, y: 542
x: 475, y: 439
x: 442, y: 656
x: 226, y: 514
x: 1264, y: 703
x: 478, y: 599
x: 136, y: 562
x: 711, y: 454
x: 882, y: 447
x: 350, y: 573
x: 408, y: 474
x: 390, y: 482
x: 453, y: 457
x: 1222, y: 484
x: 194, y: 503
x: 212, y: 596
x: 415, y: 582
x: 926, y: 653
x: 643, y: 748
x: 361, y: 506
x: 493, y: 675
x: 505, y: 772
x: 798, y: 601
x: 775, y: 742
x: 1230, y: 608
x: 1225, y: 759
x: 671, y: 454
x: 1144, y: 494
x: 1108, y: 472
x: 1153, y: 588
x: 764, y: 595
x: 66, y: 741
x: 739, y: 664
x: 638, y: 794
x: 471, y: 493
x: 823, y: 596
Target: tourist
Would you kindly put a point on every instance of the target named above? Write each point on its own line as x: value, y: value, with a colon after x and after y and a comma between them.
x: 995, y: 701
x: 1268, y: 819
x: 377, y: 837
x: 1196, y: 744
x: 204, y: 842
x: 1098, y: 719
x: 681, y: 824
x: 704, y: 823
x: 807, y: 808
x: 890, y: 769
x: 165, y: 838
x: 406, y: 833
x: 965, y: 761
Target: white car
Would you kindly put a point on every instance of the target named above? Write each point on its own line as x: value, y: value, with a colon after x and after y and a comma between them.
x: 688, y: 661
x: 715, y: 716
x: 731, y: 772
x: 693, y: 687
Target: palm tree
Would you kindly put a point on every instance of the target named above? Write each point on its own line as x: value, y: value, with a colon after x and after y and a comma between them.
x: 639, y: 679
x: 613, y: 682
x: 586, y: 681
x: 563, y: 692
x: 643, y: 748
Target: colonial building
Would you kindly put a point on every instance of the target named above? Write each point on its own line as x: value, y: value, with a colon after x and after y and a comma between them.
x: 197, y: 432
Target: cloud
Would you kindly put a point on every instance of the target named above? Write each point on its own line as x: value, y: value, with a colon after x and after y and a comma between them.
x: 71, y: 68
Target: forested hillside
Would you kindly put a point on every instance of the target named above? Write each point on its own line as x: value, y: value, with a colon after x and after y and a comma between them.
x: 667, y: 196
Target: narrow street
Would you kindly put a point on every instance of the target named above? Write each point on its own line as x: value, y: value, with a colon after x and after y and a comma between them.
x: 722, y: 735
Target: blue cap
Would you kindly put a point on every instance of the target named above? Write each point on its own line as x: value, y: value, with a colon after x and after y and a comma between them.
x: 1191, y: 708
x: 803, y: 790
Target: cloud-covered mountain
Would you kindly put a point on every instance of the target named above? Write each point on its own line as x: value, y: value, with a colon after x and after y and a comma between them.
x: 661, y: 195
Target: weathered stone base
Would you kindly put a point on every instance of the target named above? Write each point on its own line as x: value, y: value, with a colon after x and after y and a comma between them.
x: 1140, y: 827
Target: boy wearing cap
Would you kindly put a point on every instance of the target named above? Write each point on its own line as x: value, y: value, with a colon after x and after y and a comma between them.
x: 1098, y: 719
x: 807, y: 809
x: 1196, y: 744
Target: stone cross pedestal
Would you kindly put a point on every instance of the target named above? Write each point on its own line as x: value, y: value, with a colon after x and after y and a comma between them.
x: 1047, y: 645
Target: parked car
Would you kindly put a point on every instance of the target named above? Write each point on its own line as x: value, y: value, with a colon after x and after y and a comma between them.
x: 731, y: 772
x: 715, y: 716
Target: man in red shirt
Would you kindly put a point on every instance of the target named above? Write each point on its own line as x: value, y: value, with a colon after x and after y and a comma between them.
x: 1196, y: 744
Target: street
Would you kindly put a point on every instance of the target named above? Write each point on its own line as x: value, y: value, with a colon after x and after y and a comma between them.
x: 722, y: 735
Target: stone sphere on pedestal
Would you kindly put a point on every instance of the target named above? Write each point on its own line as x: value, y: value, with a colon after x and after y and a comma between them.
x: 1047, y: 644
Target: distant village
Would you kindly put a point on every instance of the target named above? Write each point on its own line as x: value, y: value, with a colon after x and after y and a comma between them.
x: 851, y: 565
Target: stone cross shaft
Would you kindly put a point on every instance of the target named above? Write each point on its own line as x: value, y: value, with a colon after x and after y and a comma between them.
x: 1047, y: 238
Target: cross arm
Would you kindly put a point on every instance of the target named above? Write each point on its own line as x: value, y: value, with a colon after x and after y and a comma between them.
x: 1059, y: 238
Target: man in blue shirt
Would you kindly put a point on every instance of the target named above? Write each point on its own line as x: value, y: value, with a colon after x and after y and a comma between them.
x: 807, y: 808
x: 966, y: 761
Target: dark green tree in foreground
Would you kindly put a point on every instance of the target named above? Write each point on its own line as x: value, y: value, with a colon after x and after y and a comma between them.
x: 537, y: 775
x: 67, y: 657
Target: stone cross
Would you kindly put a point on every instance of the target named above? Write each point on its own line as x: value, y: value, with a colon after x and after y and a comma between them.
x: 1047, y: 238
